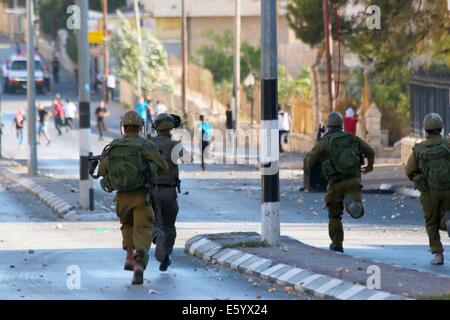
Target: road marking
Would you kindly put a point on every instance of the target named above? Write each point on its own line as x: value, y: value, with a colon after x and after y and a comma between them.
x: 273, y: 269
x: 328, y: 286
x: 290, y: 274
x: 197, y: 244
x: 256, y: 264
x: 308, y: 280
x: 227, y: 255
x: 241, y: 260
x: 350, y: 292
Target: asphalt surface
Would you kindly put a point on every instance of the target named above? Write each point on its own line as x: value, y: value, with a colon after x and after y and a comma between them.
x: 223, y: 198
x: 98, y: 274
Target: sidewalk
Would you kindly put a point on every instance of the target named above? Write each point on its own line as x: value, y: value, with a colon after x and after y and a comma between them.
x: 60, y: 194
x: 296, y: 266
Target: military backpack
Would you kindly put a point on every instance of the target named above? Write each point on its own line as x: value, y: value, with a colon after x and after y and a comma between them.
x: 344, y: 160
x: 435, y: 164
x: 128, y: 170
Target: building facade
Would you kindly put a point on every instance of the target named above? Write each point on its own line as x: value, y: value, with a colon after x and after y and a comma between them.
x: 218, y: 16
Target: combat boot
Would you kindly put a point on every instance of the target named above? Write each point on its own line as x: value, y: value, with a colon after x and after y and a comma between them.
x: 438, y: 259
x: 447, y: 222
x: 129, y: 261
x: 336, y: 248
x: 139, y: 266
x: 165, y: 263
x: 354, y: 209
x: 160, y: 251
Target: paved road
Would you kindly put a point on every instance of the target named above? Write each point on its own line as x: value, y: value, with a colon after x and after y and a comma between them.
x: 228, y: 198
x: 48, y: 274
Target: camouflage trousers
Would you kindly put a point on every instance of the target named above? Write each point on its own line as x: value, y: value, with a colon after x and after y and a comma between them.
x: 435, y: 203
x: 136, y: 217
x: 334, y: 200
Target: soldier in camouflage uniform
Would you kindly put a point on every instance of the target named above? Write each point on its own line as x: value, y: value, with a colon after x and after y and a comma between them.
x: 341, y: 155
x: 429, y: 168
x: 133, y: 206
x: 165, y: 193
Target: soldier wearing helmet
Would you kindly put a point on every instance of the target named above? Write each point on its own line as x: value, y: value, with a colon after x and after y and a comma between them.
x: 130, y: 166
x: 341, y: 155
x: 429, y: 168
x: 165, y: 192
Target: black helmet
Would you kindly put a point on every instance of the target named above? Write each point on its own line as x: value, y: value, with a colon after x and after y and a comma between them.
x: 166, y: 121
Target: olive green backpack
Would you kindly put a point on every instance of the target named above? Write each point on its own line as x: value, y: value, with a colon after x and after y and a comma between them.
x: 435, y: 160
x: 344, y: 159
x: 128, y: 170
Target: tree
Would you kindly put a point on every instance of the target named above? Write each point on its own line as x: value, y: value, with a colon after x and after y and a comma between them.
x: 218, y: 57
x: 151, y: 61
x: 407, y: 28
x: 289, y: 87
x: 305, y: 17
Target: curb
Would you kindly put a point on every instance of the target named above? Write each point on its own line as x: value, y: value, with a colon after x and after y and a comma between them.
x: 301, y: 280
x: 57, y: 204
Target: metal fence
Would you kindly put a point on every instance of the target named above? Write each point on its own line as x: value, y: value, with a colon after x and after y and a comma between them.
x: 429, y: 92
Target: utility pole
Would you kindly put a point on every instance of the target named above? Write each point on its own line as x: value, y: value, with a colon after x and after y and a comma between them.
x: 105, y: 50
x: 184, y: 40
x: 31, y: 92
x: 139, y: 34
x: 86, y: 199
x: 270, y: 180
x: 237, y: 66
x: 328, y: 47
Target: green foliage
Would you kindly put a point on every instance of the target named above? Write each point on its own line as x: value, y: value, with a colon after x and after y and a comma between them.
x: 52, y: 15
x: 247, y: 244
x: 151, y: 61
x: 306, y: 19
x: 406, y: 31
x: 218, y: 57
x: 288, y: 87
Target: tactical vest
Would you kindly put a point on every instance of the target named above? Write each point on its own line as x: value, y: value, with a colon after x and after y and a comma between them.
x: 165, y: 145
x: 433, y: 157
x: 343, y: 160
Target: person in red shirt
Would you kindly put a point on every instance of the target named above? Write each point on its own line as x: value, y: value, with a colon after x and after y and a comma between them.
x: 58, y: 111
x: 350, y: 121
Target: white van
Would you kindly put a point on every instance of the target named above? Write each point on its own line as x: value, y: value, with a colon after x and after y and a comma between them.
x: 17, y: 74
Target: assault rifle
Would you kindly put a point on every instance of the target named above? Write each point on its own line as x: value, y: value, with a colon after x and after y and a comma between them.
x: 93, y: 164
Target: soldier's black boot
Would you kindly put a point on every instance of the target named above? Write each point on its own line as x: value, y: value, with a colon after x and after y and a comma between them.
x: 160, y: 251
x: 166, y: 262
x: 336, y: 248
x: 447, y: 222
x: 139, y: 266
x: 129, y: 261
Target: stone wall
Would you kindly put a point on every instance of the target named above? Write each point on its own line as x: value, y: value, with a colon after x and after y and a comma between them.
x: 407, y: 145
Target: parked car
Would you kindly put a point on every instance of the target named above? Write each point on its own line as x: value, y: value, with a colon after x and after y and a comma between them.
x: 17, y: 77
